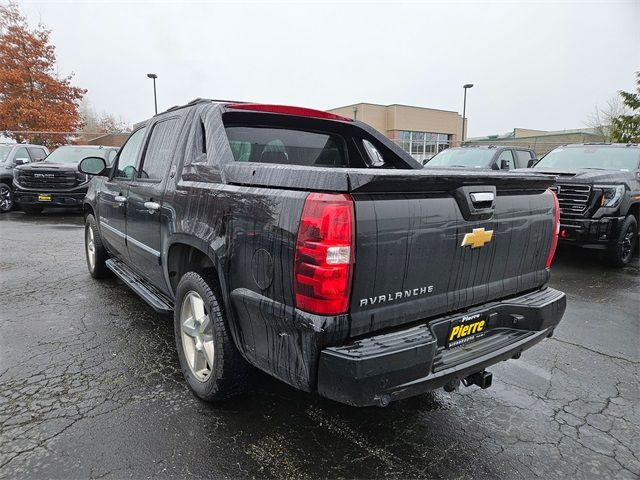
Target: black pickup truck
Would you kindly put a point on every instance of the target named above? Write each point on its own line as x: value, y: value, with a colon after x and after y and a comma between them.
x: 483, y: 156
x: 55, y: 182
x: 311, y: 247
x: 599, y: 192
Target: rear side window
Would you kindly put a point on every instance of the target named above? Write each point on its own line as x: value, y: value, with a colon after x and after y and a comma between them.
x: 375, y: 157
x: 157, y: 157
x: 37, y: 153
x: 286, y: 146
x: 507, y: 157
x: 523, y: 158
x: 22, y: 154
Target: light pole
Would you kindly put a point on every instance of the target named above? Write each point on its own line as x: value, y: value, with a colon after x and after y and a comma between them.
x: 355, y: 112
x: 155, y: 100
x: 464, y: 110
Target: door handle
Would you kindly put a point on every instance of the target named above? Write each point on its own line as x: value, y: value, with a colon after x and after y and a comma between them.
x: 151, y: 206
x: 120, y: 199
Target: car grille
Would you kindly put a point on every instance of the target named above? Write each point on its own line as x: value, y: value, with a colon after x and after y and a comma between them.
x: 54, y: 180
x: 573, y: 198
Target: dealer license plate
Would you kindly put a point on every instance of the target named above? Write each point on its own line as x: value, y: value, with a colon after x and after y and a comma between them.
x: 466, y: 329
x: 44, y: 198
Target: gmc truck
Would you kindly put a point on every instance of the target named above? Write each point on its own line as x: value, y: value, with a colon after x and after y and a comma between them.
x: 598, y: 188
x: 310, y: 246
x: 484, y: 156
x: 55, y: 182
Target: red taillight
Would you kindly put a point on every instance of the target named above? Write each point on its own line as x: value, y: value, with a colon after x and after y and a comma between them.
x: 556, y: 228
x: 325, y: 254
x: 287, y: 110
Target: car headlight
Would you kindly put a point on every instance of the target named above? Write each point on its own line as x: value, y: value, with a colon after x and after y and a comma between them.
x: 611, y: 194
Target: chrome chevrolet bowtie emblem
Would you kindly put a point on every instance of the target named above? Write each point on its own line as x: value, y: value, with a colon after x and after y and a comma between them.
x: 477, y: 238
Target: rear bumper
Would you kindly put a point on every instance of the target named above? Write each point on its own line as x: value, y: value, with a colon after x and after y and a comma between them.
x: 400, y: 364
x: 589, y: 233
x: 58, y: 199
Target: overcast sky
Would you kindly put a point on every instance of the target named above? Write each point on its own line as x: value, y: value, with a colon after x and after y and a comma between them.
x: 541, y: 65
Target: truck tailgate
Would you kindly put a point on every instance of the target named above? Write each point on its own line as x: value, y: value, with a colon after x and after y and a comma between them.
x: 411, y: 263
x: 410, y: 224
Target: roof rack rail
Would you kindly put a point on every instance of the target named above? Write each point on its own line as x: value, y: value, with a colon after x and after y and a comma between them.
x: 197, y: 101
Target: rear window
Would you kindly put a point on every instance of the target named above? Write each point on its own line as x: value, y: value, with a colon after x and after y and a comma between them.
x: 286, y: 146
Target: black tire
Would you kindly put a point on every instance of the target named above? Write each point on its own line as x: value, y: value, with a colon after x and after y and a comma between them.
x: 621, y: 252
x: 30, y: 209
x: 99, y: 268
x: 6, y: 198
x: 229, y: 373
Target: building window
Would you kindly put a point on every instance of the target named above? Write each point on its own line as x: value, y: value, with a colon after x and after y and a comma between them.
x: 422, y: 145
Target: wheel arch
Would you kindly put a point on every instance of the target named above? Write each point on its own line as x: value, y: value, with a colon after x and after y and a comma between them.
x: 87, y: 209
x: 634, y: 209
x: 187, y: 253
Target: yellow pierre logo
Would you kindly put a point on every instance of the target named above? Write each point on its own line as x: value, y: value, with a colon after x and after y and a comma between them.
x: 477, y: 238
x: 461, y: 331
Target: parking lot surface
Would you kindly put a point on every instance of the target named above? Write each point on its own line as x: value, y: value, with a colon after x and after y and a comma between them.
x: 90, y: 387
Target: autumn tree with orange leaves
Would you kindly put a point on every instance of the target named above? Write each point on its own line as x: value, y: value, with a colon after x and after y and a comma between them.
x: 32, y: 96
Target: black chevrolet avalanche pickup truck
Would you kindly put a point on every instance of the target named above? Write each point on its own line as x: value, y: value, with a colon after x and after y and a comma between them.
x: 598, y: 188
x: 311, y: 247
x: 55, y: 182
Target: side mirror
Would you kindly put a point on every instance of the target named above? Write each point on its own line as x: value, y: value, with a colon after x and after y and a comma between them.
x: 532, y: 162
x: 504, y: 164
x: 93, y: 166
x: 20, y: 161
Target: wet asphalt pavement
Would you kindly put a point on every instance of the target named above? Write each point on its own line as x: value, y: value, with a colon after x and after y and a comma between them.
x: 90, y: 387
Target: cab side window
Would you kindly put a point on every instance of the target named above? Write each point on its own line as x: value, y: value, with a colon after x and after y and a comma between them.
x: 129, y: 155
x: 505, y: 160
x: 158, y: 154
x: 523, y: 158
x: 37, y: 153
x: 21, y: 154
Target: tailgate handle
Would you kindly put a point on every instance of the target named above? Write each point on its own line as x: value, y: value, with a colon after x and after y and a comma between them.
x: 482, y: 199
x: 476, y: 202
x: 478, y: 197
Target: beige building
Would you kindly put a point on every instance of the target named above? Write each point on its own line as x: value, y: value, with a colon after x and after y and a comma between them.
x: 422, y: 132
x: 541, y: 141
x: 109, y: 139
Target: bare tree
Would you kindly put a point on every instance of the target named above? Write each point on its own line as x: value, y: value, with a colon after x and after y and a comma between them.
x: 94, y: 123
x: 601, y: 117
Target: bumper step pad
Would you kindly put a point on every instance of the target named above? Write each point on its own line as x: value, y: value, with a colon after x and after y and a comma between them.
x: 399, y: 364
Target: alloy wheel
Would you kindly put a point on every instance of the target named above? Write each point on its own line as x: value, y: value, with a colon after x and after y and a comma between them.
x: 197, y: 336
x: 6, y: 199
x: 627, y: 243
x: 91, y: 247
